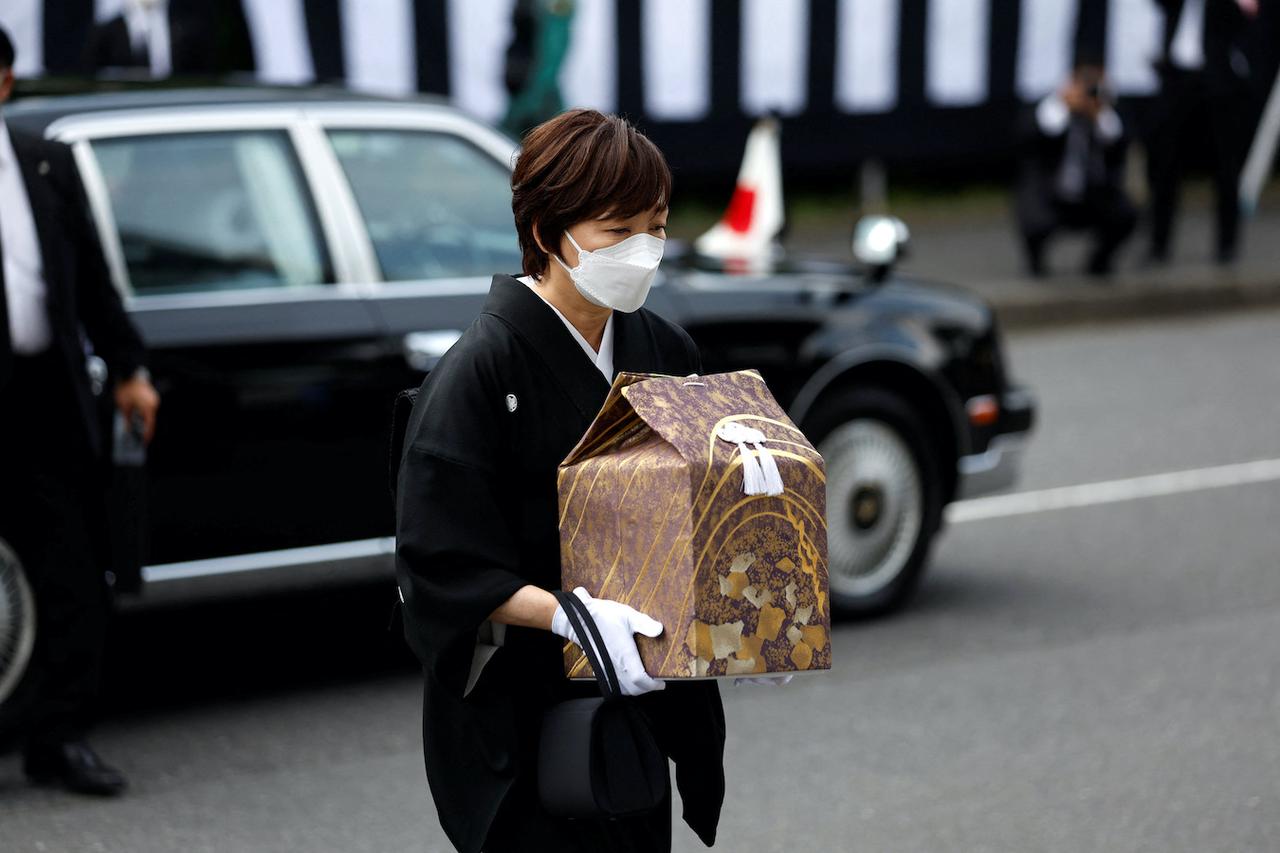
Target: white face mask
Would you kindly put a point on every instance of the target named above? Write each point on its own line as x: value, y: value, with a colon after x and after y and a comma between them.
x: 617, y: 276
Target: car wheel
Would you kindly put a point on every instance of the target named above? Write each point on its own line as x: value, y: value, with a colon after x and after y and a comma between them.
x: 17, y: 637
x: 883, y: 499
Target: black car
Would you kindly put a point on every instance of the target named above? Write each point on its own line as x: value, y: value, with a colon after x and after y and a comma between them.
x: 295, y: 257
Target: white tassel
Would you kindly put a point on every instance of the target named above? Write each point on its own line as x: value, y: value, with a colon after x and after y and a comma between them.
x: 760, y: 474
x: 769, y: 470
x: 753, y: 478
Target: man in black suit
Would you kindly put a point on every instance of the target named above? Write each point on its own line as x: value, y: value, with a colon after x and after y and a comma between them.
x: 1204, y: 86
x: 158, y: 38
x: 1073, y: 171
x: 57, y: 304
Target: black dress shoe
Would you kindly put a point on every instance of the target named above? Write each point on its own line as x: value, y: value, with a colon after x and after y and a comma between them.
x: 73, y: 765
x: 1035, y: 258
x: 1099, y: 267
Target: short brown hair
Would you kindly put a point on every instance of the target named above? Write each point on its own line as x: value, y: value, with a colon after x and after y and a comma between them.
x: 582, y: 165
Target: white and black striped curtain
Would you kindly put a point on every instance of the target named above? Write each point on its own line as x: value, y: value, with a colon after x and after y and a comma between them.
x: 852, y: 76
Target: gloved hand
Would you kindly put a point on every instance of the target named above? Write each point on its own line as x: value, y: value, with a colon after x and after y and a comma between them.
x: 759, y: 680
x: 618, y: 623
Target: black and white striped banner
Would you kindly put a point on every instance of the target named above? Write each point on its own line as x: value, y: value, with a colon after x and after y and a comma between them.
x: 706, y: 65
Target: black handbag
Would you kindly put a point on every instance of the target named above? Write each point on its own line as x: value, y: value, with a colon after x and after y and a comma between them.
x: 598, y: 757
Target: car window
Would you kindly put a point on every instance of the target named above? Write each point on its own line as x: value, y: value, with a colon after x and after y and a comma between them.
x: 212, y: 211
x: 436, y: 205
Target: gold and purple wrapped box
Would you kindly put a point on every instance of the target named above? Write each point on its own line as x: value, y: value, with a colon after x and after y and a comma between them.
x: 697, y: 501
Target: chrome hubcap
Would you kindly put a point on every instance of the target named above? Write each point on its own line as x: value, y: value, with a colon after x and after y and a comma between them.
x: 17, y: 622
x: 866, y: 507
x: 875, y: 505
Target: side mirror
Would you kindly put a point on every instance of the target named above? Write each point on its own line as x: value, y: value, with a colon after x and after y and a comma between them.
x: 878, y: 243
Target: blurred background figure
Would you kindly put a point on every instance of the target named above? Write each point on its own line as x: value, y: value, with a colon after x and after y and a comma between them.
x: 539, y: 44
x: 1072, y: 173
x: 54, y: 284
x: 137, y: 38
x: 160, y: 38
x: 1204, y: 90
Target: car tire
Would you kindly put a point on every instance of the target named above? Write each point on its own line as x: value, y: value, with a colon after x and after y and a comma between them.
x: 17, y: 640
x: 884, y: 498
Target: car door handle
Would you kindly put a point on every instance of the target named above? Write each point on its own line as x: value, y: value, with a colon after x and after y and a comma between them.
x: 423, y: 349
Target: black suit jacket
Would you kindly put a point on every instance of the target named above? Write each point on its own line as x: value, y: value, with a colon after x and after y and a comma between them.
x: 1224, y: 26
x: 109, y: 47
x: 1042, y: 156
x: 81, y: 300
x: 205, y: 37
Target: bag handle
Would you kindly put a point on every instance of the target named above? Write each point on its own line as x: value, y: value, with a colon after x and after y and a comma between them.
x: 591, y: 642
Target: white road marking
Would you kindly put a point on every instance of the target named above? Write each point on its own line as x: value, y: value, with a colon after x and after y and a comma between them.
x: 1113, y: 491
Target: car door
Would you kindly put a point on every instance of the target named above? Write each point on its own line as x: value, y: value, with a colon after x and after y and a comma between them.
x: 435, y: 198
x: 269, y: 433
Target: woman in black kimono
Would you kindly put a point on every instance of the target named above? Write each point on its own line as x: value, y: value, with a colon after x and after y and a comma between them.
x: 478, y: 544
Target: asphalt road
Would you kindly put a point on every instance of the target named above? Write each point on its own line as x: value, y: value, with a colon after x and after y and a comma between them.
x: 1092, y: 670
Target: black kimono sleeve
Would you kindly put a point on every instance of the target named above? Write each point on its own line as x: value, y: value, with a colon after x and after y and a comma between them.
x: 455, y: 551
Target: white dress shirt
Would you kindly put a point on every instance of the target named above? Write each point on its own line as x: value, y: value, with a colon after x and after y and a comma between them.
x: 603, y: 360
x: 148, y: 25
x: 24, y: 287
x: 1187, y: 48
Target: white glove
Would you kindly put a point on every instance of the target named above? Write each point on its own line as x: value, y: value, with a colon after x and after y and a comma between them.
x: 618, y: 623
x: 759, y: 680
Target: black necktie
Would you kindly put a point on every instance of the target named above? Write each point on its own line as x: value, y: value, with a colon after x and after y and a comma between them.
x: 1073, y: 173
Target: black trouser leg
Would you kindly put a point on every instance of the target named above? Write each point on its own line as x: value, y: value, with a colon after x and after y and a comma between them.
x: 1113, y: 219
x: 72, y: 607
x: 49, y: 484
x: 1038, y: 218
x: 1228, y: 128
x: 1174, y: 106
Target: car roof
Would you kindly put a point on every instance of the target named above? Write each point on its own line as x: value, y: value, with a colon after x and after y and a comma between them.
x: 36, y: 112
